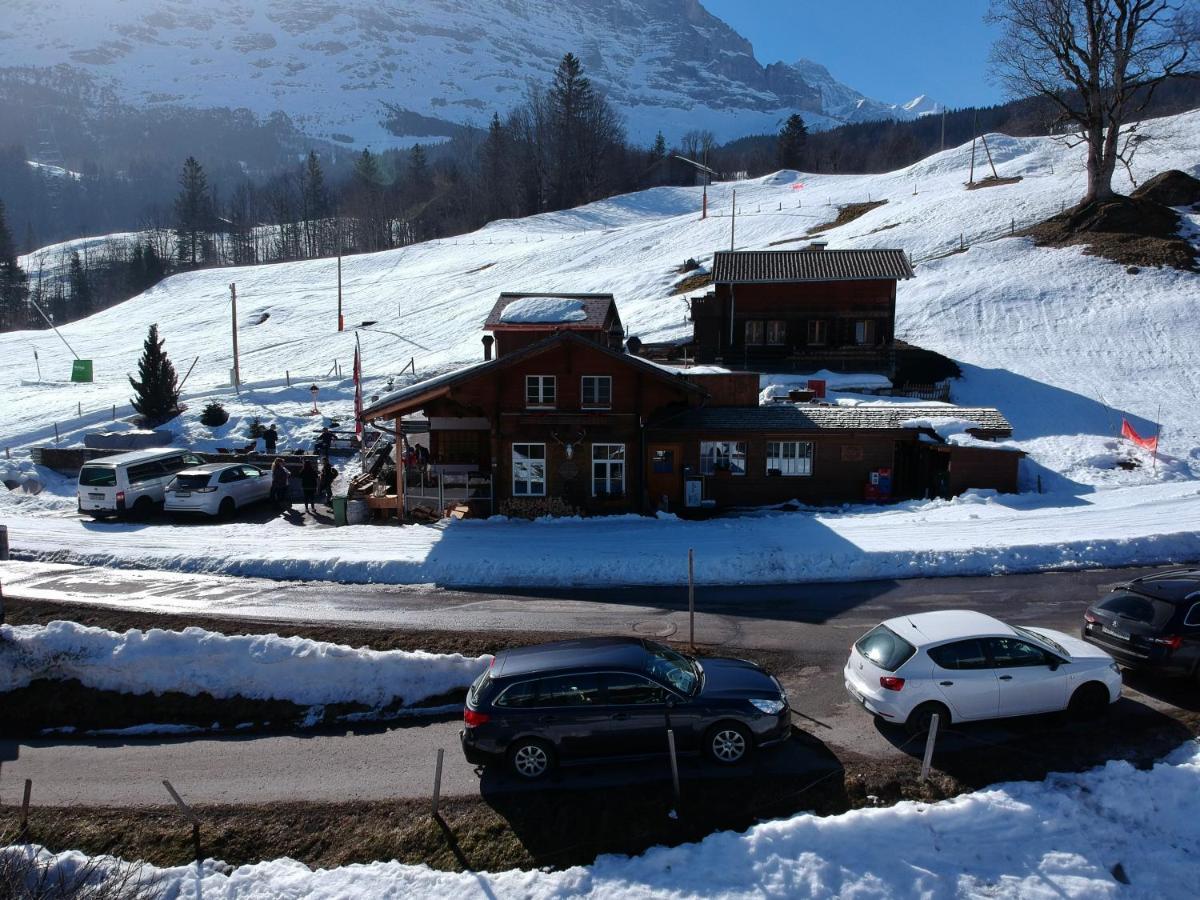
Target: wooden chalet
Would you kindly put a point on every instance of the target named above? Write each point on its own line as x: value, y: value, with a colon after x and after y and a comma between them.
x: 563, y: 421
x: 801, y: 309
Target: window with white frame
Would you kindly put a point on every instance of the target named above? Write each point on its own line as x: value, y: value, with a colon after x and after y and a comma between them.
x: 723, y: 456
x: 608, y: 470
x: 529, y: 470
x: 776, y: 333
x: 539, y: 390
x: 864, y: 332
x: 789, y: 457
x: 754, y: 333
x: 596, y: 392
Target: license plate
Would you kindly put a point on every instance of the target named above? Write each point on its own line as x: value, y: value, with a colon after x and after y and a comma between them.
x: 183, y: 493
x: 856, y: 695
x: 1115, y: 632
x: 96, y: 496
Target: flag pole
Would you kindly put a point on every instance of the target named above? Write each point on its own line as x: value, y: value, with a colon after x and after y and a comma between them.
x: 1157, y: 436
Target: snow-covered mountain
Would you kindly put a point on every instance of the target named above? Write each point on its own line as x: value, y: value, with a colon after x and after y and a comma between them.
x: 334, y: 66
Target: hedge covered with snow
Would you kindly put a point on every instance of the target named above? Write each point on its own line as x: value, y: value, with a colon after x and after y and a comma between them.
x: 195, y: 661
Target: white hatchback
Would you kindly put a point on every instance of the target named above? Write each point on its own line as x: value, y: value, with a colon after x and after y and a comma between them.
x: 217, y: 489
x: 967, y: 666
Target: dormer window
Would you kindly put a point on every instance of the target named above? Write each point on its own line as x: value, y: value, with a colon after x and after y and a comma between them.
x: 540, y: 391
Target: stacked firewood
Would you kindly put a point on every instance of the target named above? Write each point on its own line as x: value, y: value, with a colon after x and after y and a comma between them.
x: 536, y: 507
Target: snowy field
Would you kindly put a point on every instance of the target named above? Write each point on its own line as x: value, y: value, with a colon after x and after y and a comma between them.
x: 1061, y: 838
x: 257, y: 667
x: 1064, y: 344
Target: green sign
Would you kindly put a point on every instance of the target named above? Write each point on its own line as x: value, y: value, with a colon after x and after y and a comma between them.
x: 81, y: 370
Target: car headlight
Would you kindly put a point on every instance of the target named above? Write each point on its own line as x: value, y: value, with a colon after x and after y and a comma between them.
x: 770, y: 707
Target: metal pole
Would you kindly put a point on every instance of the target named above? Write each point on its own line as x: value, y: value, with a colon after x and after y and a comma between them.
x: 733, y: 219
x: 33, y: 303
x: 691, y: 599
x: 189, y: 372
x: 437, y: 781
x: 37, y: 362
x: 25, y: 804
x: 929, y: 741
x: 974, y: 128
x: 237, y: 373
x: 341, y: 321
x: 399, y: 473
x: 674, y: 766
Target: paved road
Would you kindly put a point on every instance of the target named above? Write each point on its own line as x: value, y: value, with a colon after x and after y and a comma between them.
x: 813, y: 623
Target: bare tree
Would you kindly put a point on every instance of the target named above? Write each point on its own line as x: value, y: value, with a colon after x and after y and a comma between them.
x: 1098, y: 62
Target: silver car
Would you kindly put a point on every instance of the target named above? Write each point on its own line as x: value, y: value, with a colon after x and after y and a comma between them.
x: 217, y: 489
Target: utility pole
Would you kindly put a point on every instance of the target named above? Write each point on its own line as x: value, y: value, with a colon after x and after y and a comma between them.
x: 237, y: 375
x: 974, y: 128
x: 943, y: 127
x: 341, y: 321
x: 733, y: 219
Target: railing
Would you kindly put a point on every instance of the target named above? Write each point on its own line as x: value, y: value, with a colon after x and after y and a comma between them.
x: 441, y: 490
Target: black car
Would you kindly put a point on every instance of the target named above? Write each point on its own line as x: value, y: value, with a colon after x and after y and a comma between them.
x: 616, y: 697
x: 1150, y: 623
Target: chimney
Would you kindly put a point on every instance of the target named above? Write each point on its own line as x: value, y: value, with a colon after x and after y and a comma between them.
x: 487, y: 346
x: 818, y: 245
x: 633, y: 345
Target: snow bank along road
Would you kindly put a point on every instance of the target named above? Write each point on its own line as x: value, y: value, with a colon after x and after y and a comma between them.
x: 1060, y: 838
x: 976, y: 534
x: 815, y: 623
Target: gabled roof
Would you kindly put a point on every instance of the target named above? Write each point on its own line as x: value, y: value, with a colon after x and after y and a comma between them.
x: 413, y: 396
x: 596, y: 308
x: 788, y: 417
x: 761, y: 266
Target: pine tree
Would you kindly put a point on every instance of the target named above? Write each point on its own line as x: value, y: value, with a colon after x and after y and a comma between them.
x: 193, y: 213
x: 792, y: 139
x: 420, y: 187
x: 14, y: 283
x: 658, y: 150
x: 81, y: 287
x: 156, y: 390
x: 497, y: 166
x: 314, y: 204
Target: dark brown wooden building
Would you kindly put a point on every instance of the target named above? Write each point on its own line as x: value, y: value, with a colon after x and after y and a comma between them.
x: 811, y: 309
x: 521, y: 319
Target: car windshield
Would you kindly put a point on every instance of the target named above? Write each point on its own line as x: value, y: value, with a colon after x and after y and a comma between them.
x: 1041, y: 638
x: 675, y: 669
x: 98, y: 476
x: 1137, y: 608
x: 885, y: 648
x: 186, y: 481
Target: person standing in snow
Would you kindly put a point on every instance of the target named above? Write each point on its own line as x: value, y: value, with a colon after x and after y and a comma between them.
x: 271, y: 438
x: 279, y: 484
x: 324, y: 442
x: 309, y: 480
x: 328, y: 474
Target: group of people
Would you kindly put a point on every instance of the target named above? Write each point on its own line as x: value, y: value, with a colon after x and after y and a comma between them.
x: 316, y: 482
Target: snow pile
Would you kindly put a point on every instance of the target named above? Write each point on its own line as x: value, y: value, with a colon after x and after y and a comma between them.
x: 943, y: 426
x: 1061, y: 838
x: 195, y: 661
x: 1031, y: 532
x: 775, y: 386
x: 543, y: 311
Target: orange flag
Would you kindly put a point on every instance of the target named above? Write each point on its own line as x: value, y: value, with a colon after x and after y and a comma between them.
x: 1149, y: 443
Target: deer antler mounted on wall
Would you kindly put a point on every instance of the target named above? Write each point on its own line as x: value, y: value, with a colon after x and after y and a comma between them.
x: 569, y: 443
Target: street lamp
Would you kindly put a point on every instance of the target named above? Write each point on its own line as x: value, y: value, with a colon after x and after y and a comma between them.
x: 314, y: 390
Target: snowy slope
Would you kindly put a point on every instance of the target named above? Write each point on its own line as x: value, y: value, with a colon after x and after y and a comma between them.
x: 330, y: 65
x: 1060, y: 838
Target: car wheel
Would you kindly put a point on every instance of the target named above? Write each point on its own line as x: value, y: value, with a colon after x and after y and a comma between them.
x: 1089, y: 701
x: 143, y: 508
x: 728, y: 743
x: 920, y: 720
x: 227, y: 508
x: 530, y: 758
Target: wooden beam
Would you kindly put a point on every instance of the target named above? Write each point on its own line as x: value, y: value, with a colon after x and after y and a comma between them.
x: 399, y: 472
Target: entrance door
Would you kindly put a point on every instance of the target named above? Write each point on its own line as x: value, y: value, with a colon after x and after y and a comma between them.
x: 664, y: 475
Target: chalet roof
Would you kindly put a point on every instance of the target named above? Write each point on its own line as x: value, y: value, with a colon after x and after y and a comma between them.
x: 760, y: 266
x: 789, y: 417
x: 410, y: 397
x: 595, y: 309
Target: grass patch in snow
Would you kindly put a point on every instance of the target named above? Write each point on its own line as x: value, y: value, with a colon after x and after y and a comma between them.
x: 846, y: 214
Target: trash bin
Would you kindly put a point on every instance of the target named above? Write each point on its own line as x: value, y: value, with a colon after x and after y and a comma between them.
x: 339, y: 510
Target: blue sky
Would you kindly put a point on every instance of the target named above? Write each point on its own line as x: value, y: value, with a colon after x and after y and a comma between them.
x: 890, y: 50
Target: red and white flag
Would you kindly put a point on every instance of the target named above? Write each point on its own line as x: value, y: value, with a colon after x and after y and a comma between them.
x: 358, y: 425
x: 1148, y: 443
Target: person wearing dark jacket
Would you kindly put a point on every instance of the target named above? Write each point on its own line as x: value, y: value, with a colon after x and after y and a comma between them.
x: 309, y: 479
x: 328, y: 474
x: 271, y: 438
x: 279, y: 484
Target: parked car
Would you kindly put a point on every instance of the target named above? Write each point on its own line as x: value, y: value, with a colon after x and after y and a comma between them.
x: 1150, y: 623
x: 217, y: 489
x: 616, y: 697
x: 967, y: 666
x: 129, y: 483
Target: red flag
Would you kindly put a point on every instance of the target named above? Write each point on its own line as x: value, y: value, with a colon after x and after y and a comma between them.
x: 1148, y: 443
x: 358, y: 426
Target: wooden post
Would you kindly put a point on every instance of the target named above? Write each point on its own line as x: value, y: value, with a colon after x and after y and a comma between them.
x: 187, y: 814
x: 674, y: 769
x: 25, y: 805
x: 79, y: 409
x: 114, y: 412
x: 691, y: 599
x: 56, y: 432
x: 929, y: 741
x: 399, y: 473
x: 341, y: 321
x: 288, y: 376
x: 437, y: 781
x: 237, y: 372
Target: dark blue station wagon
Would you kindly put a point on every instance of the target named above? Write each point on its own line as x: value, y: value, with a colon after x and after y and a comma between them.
x: 616, y: 697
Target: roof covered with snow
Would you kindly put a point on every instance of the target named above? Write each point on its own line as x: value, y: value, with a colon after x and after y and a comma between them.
x: 583, y: 311
x: 788, y: 417
x: 750, y: 266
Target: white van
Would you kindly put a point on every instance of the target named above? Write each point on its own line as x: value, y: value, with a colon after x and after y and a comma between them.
x: 130, y: 483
